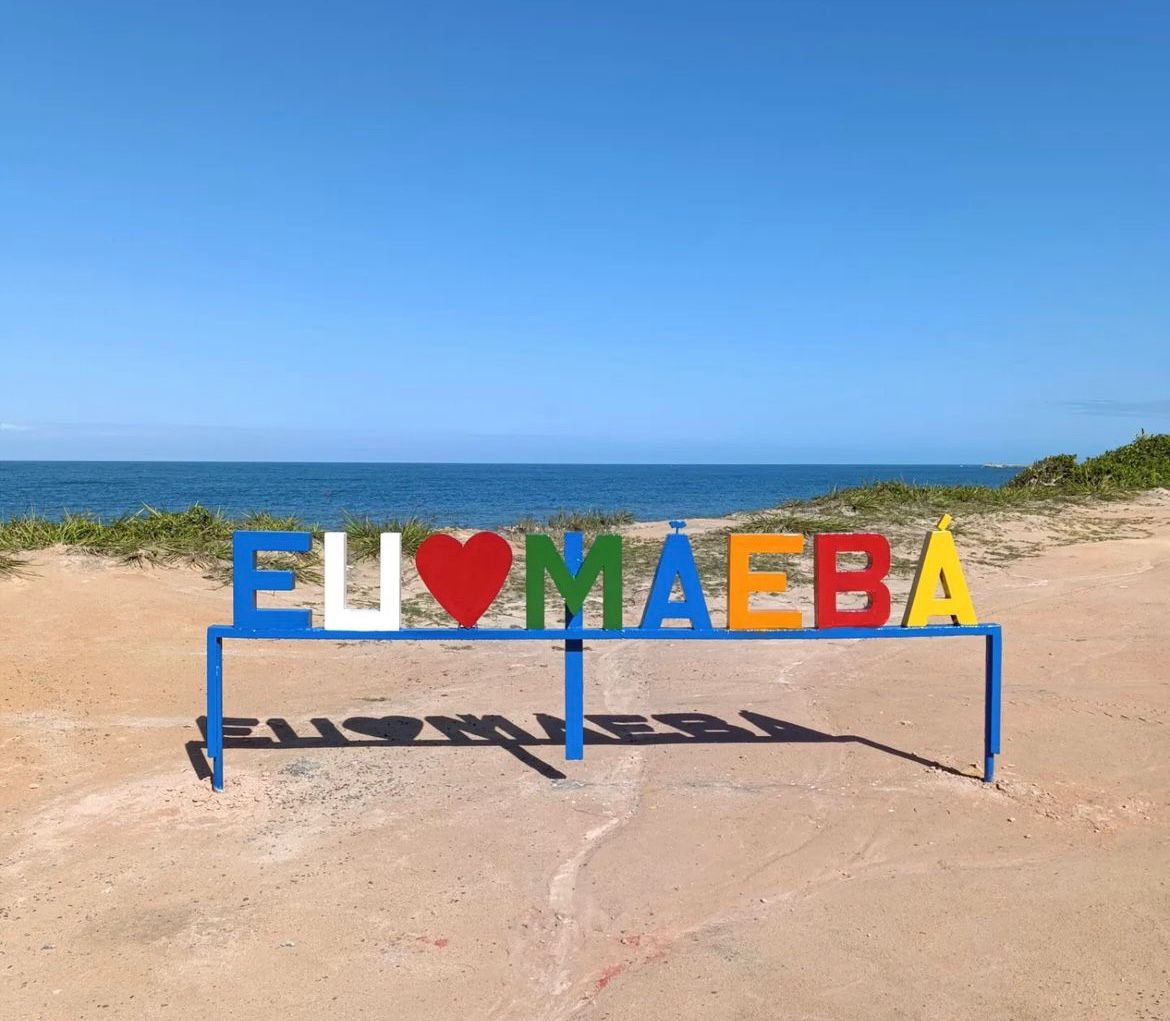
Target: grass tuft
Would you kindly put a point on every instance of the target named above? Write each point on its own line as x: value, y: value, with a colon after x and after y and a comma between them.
x: 591, y: 521
x: 364, y: 535
x: 196, y: 535
x: 10, y: 566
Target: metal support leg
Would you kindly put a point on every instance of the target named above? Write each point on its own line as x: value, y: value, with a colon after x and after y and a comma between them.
x: 215, y: 709
x: 574, y: 660
x: 992, y: 699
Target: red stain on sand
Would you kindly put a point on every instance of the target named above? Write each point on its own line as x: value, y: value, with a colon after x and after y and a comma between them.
x: 610, y: 973
x: 437, y: 942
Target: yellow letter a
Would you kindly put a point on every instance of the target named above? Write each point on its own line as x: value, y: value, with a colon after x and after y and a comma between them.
x: 939, y: 562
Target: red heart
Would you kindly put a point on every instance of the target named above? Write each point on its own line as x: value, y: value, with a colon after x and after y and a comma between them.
x: 464, y: 577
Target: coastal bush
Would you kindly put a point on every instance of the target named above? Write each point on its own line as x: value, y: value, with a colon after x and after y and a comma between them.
x: 1144, y: 463
x: 1057, y: 470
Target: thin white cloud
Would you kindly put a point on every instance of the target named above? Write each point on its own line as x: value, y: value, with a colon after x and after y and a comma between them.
x: 1120, y: 409
x: 12, y: 427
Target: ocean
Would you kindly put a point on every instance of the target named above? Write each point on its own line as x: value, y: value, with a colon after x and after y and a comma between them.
x: 470, y: 495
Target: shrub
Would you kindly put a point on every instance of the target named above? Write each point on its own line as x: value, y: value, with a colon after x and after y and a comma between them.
x: 1143, y: 463
x: 1056, y: 470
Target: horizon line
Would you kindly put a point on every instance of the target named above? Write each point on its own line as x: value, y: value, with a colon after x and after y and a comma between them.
x: 542, y: 464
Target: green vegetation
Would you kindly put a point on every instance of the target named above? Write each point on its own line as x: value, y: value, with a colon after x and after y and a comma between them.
x: 1056, y: 470
x: 892, y: 502
x: 1045, y: 485
x: 201, y: 536
x: 365, y: 535
x: 1142, y: 464
x: 590, y: 521
x: 196, y: 535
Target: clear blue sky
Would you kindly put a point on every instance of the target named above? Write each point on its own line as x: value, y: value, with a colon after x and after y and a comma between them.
x: 871, y: 231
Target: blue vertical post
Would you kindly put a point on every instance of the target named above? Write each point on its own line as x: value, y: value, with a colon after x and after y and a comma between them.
x: 992, y: 701
x: 574, y: 660
x: 215, y: 709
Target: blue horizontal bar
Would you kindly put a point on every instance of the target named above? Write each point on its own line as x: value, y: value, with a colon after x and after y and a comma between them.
x: 459, y: 634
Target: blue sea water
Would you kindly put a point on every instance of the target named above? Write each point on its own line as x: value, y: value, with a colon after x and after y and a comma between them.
x: 472, y: 495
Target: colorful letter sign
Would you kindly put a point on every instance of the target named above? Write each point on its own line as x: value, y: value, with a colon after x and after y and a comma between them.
x: 939, y: 564
x: 742, y: 581
x: 466, y: 578
x: 830, y: 581
x: 677, y: 563
x: 604, y: 558
x: 247, y: 580
x: 338, y: 616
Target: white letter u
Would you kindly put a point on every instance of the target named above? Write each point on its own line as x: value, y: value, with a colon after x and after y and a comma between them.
x: 338, y: 616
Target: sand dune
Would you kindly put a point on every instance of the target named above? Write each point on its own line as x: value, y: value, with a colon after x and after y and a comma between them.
x: 788, y: 831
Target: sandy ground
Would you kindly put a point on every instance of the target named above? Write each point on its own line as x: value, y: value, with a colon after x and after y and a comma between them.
x: 758, y: 831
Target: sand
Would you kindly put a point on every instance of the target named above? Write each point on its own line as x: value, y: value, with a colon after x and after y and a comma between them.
x: 769, y: 831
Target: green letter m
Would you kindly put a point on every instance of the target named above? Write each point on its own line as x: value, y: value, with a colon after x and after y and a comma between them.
x: 605, y: 557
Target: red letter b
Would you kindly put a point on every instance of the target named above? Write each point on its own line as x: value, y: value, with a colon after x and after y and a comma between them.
x: 829, y: 581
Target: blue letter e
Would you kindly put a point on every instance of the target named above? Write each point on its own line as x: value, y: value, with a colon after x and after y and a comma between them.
x: 247, y: 581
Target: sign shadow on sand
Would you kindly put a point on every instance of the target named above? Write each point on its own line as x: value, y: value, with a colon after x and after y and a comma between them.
x: 493, y: 730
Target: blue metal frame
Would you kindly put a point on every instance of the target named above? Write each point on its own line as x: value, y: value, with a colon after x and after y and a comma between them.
x: 574, y: 660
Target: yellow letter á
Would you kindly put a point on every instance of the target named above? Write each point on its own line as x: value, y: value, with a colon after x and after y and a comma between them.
x: 939, y: 563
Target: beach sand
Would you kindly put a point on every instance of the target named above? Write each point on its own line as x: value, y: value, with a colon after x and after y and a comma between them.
x: 772, y: 830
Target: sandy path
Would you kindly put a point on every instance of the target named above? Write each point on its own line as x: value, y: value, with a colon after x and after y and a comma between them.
x: 760, y: 841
